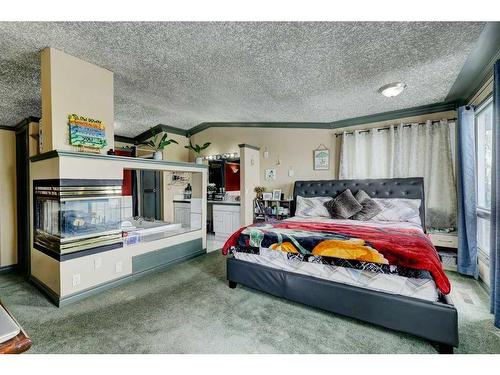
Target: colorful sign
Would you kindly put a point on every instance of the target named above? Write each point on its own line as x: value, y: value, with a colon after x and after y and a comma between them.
x: 86, y: 132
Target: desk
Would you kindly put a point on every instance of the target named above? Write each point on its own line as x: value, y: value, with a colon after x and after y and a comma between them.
x: 15, y: 345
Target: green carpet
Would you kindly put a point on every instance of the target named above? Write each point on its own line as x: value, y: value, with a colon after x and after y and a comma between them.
x: 189, y: 308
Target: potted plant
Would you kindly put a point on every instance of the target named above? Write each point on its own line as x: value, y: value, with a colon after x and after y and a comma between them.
x: 197, y: 149
x: 157, y: 142
x: 259, y: 190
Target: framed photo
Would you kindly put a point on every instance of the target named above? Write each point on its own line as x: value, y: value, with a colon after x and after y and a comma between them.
x: 276, y: 195
x: 267, y: 196
x: 321, y: 159
x: 270, y: 174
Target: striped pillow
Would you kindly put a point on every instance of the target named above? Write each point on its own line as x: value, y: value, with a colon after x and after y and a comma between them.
x: 312, y: 206
x: 399, y: 209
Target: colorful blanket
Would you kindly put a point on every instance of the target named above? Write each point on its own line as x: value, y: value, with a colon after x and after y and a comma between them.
x: 400, y: 249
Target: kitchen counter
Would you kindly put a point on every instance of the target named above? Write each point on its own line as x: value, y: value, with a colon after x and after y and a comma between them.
x: 230, y: 203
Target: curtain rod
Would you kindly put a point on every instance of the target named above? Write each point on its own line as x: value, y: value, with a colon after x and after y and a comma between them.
x: 404, y: 126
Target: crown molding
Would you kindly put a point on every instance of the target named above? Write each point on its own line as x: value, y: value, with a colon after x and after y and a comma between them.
x: 25, y: 122
x: 244, y: 145
x: 378, y: 117
x: 478, y: 67
x: 398, y: 114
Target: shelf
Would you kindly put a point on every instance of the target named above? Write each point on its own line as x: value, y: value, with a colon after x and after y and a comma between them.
x: 272, y: 200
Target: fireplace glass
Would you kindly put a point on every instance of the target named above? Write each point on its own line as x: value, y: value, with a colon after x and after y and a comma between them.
x: 69, y: 219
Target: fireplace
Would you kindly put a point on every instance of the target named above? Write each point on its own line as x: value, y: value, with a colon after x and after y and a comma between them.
x: 75, y: 215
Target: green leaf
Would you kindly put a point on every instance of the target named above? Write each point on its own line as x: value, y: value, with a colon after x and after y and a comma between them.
x: 256, y: 237
x: 164, y: 138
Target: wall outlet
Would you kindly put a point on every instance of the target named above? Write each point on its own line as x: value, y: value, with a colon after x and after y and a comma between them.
x: 118, y: 267
x: 97, y: 263
x: 76, y: 279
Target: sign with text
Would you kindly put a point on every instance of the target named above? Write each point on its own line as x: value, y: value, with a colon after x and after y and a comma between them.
x: 86, y: 132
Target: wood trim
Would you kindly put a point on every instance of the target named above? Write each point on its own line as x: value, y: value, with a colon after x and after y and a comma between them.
x: 18, y: 344
x: 249, y: 146
x: 7, y: 269
x: 394, y: 115
x: 9, y: 128
x: 77, y: 254
x: 166, y: 255
x: 384, y: 116
x: 23, y: 123
x: 479, y: 65
x: 159, y: 128
x: 273, y: 125
x: 173, y: 129
x: 59, y: 153
x: 198, y: 128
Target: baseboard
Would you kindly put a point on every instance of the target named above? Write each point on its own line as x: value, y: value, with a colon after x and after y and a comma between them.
x: 69, y: 299
x: 7, y: 269
x: 46, y: 291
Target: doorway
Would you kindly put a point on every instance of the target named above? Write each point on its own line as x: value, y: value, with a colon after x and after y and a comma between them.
x: 22, y: 184
x: 150, y: 193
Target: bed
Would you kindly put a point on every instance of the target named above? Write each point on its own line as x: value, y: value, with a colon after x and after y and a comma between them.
x: 382, y: 297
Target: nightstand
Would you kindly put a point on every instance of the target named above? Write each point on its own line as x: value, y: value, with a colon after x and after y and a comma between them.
x: 446, y: 245
x: 449, y: 240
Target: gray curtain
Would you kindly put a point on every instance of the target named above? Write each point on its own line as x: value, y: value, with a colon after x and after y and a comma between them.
x: 495, y: 202
x: 466, y: 191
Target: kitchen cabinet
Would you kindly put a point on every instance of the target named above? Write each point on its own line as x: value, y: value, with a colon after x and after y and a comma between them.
x: 226, y: 220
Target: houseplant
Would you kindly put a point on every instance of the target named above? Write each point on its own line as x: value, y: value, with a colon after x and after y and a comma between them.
x: 258, y: 191
x: 197, y: 149
x: 157, y: 142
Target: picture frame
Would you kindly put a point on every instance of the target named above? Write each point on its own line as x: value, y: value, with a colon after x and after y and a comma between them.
x: 270, y: 174
x: 321, y: 158
x: 267, y: 196
x: 276, y: 194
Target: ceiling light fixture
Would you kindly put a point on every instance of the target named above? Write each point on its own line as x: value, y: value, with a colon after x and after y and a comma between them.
x: 392, y: 89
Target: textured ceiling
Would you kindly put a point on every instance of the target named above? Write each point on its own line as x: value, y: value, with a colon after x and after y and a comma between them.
x: 182, y: 74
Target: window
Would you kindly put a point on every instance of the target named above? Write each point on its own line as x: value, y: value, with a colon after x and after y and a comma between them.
x: 484, y: 138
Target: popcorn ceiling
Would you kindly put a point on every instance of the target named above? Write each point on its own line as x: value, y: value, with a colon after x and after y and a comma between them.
x: 182, y: 74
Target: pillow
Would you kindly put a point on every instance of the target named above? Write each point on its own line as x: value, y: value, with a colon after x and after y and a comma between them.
x: 343, y: 206
x: 399, y: 209
x: 312, y: 206
x: 370, y: 206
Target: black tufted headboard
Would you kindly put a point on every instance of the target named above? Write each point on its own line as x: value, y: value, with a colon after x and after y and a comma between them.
x: 412, y: 188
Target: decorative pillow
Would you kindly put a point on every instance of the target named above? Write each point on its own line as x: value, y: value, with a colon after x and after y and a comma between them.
x: 370, y: 206
x: 312, y: 206
x: 399, y: 209
x: 343, y: 206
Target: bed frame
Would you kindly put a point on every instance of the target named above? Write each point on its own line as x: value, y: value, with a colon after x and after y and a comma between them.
x: 435, y: 321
